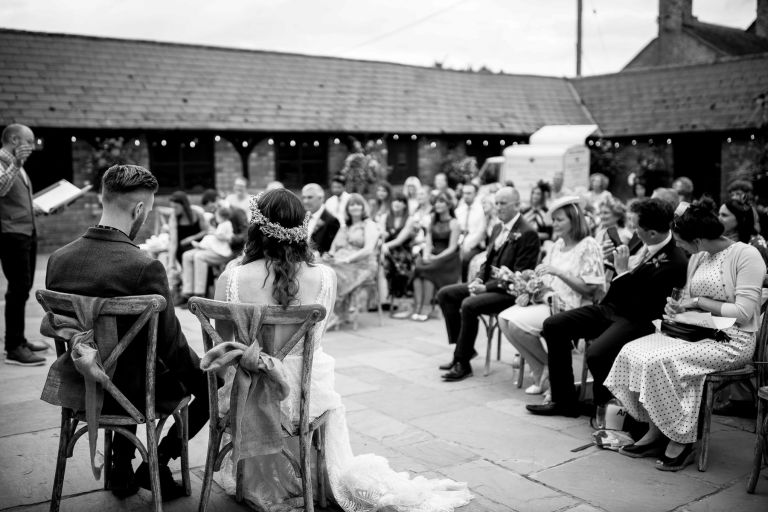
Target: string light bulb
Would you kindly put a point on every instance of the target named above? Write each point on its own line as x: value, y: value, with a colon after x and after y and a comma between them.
x: 433, y: 144
x: 316, y: 143
x: 192, y: 144
x: 163, y: 142
x: 74, y: 139
x: 469, y: 142
x: 502, y: 142
x: 395, y: 137
x: 271, y: 142
x: 413, y: 137
x: 217, y: 138
x: 245, y: 144
x: 336, y: 141
x: 292, y: 143
x: 137, y: 143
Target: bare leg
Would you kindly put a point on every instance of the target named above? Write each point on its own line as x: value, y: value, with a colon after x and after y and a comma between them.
x: 418, y: 295
x: 429, y: 293
x: 652, y: 435
x: 674, y: 449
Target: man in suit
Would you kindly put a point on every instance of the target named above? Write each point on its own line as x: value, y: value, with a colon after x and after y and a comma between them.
x: 105, y: 262
x: 637, y: 295
x: 513, y: 244
x: 18, y: 242
x: 322, y: 225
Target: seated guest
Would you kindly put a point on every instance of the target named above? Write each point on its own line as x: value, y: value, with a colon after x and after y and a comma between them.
x: 738, y: 220
x: 104, y: 262
x: 660, y: 378
x: 353, y: 253
x: 213, y: 249
x: 396, y: 249
x: 210, y: 202
x: 668, y: 195
x: 381, y: 202
x: 323, y: 226
x: 187, y: 224
x: 439, y: 263
x: 411, y: 188
x: 472, y: 221
x: 515, y: 245
x: 636, y: 296
x: 573, y: 270
x: 613, y: 218
x: 535, y: 213
x: 491, y: 220
x: 598, y: 190
x: 441, y: 186
x: 336, y: 204
x: 240, y: 198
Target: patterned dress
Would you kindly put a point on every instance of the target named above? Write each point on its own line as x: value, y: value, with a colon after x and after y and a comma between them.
x: 398, y: 264
x: 349, y: 240
x: 661, y: 379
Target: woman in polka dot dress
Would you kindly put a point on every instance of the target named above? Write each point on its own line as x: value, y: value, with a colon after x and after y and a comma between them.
x: 661, y: 379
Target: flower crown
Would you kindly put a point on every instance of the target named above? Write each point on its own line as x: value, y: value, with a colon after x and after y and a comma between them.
x: 274, y: 230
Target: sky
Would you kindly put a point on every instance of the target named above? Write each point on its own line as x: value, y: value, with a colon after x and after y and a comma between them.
x: 514, y: 36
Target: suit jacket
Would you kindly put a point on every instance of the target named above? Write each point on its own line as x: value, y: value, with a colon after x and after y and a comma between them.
x: 16, y: 211
x: 520, y: 251
x: 325, y: 231
x: 642, y: 293
x: 106, y: 263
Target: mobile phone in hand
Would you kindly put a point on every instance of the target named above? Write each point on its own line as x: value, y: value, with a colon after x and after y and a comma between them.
x: 613, y: 235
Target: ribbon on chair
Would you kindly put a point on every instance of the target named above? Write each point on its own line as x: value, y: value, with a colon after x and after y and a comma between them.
x: 259, y: 385
x: 85, y: 356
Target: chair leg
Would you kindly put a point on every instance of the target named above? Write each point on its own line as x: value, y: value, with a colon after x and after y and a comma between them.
x: 107, y: 457
x: 489, y: 348
x: 498, y: 341
x: 239, y: 482
x: 321, y: 467
x: 521, y: 373
x: 214, y: 441
x: 61, y: 460
x: 154, y: 467
x: 706, y: 419
x: 761, y: 433
x: 305, y: 445
x: 183, y: 419
x: 378, y: 306
x: 584, y: 374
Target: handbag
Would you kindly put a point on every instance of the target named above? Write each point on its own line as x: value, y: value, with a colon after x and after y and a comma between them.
x: 692, y: 333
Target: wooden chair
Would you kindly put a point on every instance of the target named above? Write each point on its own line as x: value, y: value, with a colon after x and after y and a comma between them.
x: 304, y: 319
x: 718, y: 380
x: 761, y: 438
x: 147, y: 308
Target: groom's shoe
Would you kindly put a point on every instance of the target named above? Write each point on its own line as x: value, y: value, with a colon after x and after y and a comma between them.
x: 169, y: 488
x: 448, y: 366
x: 555, y: 409
x: 460, y: 371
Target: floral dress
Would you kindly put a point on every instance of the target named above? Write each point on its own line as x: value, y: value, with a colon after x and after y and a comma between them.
x: 661, y: 379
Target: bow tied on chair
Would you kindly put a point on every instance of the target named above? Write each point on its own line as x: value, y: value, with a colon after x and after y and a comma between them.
x: 85, y: 356
x: 259, y: 386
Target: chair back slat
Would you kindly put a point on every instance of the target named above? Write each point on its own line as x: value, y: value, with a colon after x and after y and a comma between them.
x: 761, y: 352
x: 146, y: 308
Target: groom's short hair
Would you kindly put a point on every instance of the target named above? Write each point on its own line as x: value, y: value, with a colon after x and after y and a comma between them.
x: 653, y: 214
x: 121, y: 180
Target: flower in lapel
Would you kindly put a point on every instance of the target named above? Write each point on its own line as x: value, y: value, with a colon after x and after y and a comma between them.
x: 516, y: 235
x: 657, y: 260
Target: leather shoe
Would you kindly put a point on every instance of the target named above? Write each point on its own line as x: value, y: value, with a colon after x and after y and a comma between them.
x: 554, y: 409
x: 653, y: 449
x: 460, y: 371
x: 447, y: 366
x: 169, y: 488
x: 121, y: 480
x: 37, y: 346
x: 686, y: 457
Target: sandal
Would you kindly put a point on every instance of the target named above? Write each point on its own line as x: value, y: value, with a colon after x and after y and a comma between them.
x: 534, y: 389
x: 416, y: 317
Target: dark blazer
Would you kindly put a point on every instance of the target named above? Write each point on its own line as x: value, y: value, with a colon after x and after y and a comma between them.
x: 642, y: 293
x: 106, y: 263
x: 519, y: 252
x: 325, y: 231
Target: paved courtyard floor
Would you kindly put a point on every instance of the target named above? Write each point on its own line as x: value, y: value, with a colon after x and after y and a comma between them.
x: 397, y: 406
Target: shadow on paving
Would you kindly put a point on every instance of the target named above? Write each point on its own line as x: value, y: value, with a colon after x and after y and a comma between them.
x: 397, y: 406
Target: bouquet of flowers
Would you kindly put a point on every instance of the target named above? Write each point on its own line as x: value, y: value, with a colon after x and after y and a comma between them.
x: 529, y: 287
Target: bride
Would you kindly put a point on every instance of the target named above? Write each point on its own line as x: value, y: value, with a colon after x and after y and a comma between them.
x: 278, y: 269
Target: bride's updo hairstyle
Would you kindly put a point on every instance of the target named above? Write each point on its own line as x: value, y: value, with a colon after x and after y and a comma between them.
x: 278, y: 235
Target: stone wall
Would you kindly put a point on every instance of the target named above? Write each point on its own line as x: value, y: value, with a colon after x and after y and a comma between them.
x: 653, y: 163
x: 227, y: 164
x: 745, y: 158
x: 261, y: 165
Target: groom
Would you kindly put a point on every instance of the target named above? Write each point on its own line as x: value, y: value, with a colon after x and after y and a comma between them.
x: 105, y: 262
x: 515, y: 245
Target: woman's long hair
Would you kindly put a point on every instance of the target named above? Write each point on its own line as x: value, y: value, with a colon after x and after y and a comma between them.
x: 579, y: 225
x: 282, y: 258
x: 745, y: 219
x: 442, y: 197
x: 180, y: 197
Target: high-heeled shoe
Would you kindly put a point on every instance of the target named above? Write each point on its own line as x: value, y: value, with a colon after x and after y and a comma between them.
x: 653, y: 449
x: 685, y: 458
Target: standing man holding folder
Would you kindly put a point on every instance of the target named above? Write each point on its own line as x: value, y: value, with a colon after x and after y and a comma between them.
x: 18, y: 242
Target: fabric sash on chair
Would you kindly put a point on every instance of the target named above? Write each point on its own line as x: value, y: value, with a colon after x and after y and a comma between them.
x: 84, y: 353
x: 260, y: 384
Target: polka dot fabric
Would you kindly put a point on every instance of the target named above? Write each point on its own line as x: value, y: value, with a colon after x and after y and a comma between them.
x: 661, y: 379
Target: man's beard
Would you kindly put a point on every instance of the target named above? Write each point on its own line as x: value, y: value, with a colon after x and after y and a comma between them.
x: 136, y: 226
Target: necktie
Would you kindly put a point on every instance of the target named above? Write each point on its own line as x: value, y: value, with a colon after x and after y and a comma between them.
x: 637, y: 259
x: 501, y: 238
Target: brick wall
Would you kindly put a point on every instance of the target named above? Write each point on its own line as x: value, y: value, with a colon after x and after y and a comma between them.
x: 337, y: 153
x: 744, y: 158
x: 432, y: 153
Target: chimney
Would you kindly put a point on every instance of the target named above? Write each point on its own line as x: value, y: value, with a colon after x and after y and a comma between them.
x: 761, y: 23
x: 673, y: 13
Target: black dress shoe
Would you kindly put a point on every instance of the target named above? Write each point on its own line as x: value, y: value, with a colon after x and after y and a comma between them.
x: 169, y: 488
x: 554, y: 409
x: 653, y: 449
x: 685, y: 458
x: 447, y: 366
x: 122, y: 482
x: 460, y: 371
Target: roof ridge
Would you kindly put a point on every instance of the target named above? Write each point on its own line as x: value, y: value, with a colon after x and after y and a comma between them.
x: 270, y: 52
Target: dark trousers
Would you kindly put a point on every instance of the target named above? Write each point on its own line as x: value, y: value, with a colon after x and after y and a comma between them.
x: 18, y: 255
x: 195, y: 382
x: 461, y: 312
x: 608, y: 332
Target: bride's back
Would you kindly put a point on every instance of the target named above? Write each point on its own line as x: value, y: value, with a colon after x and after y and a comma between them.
x: 253, y: 283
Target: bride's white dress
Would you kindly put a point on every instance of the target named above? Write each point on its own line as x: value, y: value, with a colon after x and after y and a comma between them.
x: 358, y: 483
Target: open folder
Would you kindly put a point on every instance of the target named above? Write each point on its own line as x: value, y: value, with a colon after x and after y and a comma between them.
x: 58, y: 195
